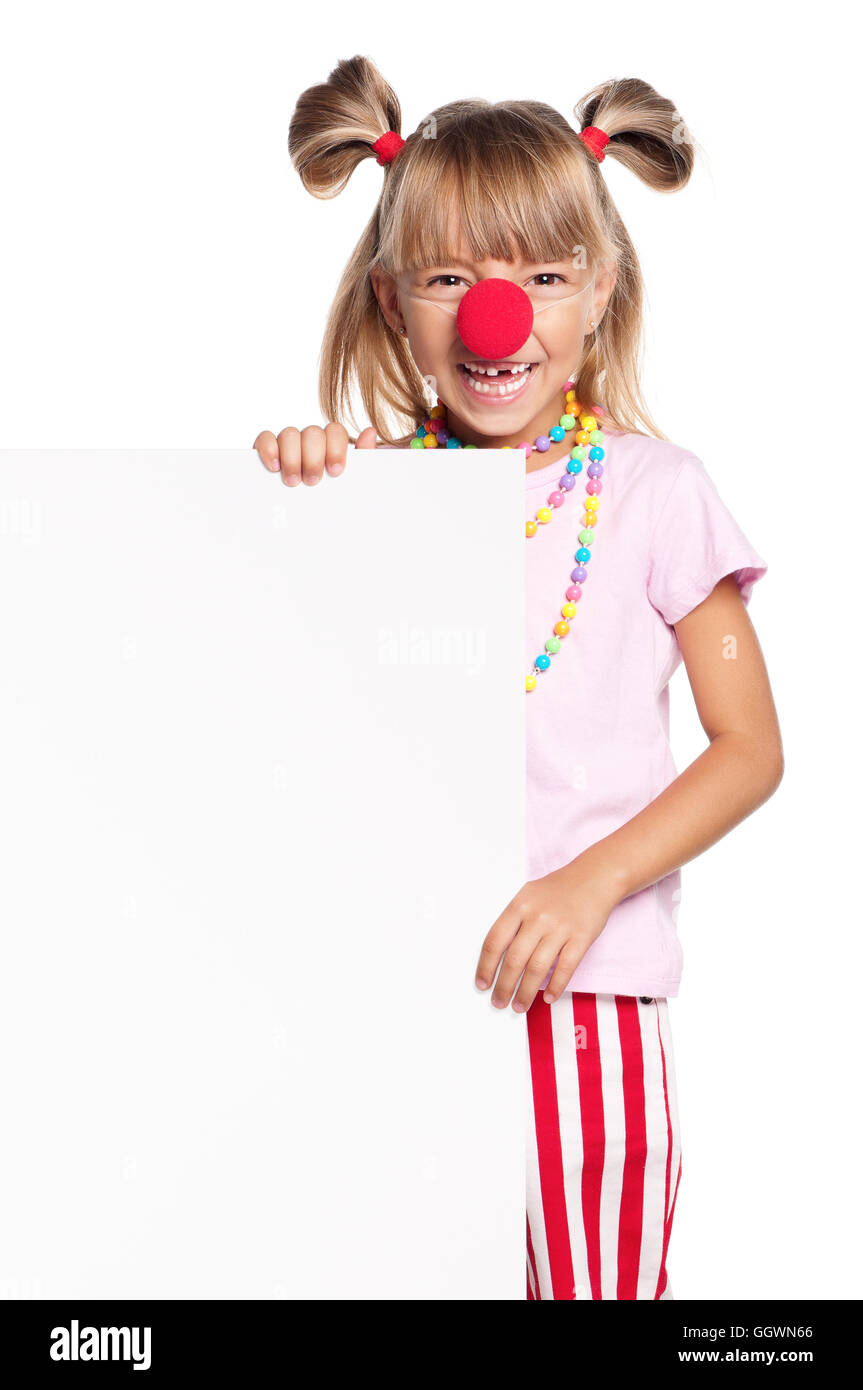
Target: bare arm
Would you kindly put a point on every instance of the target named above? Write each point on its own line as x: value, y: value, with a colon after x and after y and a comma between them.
x: 739, y: 770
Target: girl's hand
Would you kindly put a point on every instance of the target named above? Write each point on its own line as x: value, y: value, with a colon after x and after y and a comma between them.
x: 301, y: 455
x: 552, y: 918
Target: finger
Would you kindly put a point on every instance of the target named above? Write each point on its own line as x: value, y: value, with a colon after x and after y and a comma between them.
x: 499, y: 938
x: 514, y: 963
x: 367, y: 440
x: 268, y: 449
x: 335, y: 449
x: 314, y: 453
x: 567, y: 963
x: 535, y: 972
x: 290, y: 452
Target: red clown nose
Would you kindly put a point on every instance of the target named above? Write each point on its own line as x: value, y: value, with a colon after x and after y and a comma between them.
x: 495, y: 319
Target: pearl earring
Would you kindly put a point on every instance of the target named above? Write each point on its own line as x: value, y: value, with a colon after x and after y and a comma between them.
x: 403, y: 332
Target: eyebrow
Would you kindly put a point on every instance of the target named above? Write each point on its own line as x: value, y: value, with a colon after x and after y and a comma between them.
x: 436, y: 265
x: 464, y: 265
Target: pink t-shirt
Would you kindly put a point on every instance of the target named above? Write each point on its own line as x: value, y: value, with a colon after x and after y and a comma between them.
x: 597, y: 722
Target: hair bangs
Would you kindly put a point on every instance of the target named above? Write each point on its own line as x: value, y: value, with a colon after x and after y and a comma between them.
x: 447, y: 204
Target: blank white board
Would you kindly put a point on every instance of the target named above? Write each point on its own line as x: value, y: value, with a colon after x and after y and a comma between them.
x: 263, y: 797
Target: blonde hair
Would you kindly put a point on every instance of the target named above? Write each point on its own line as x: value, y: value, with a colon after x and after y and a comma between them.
x: 521, y: 183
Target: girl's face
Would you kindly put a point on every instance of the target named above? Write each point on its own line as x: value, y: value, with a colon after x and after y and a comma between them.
x: 522, y: 396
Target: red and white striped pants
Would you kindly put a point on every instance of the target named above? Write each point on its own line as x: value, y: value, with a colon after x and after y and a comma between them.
x: 603, y: 1147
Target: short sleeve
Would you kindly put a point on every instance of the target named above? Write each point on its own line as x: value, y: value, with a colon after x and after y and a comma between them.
x: 695, y: 543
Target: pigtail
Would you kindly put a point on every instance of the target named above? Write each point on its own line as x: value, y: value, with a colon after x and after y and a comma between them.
x: 335, y: 124
x: 646, y: 131
x: 333, y: 128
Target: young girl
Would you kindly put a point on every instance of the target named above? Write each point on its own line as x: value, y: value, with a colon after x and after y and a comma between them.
x: 496, y: 272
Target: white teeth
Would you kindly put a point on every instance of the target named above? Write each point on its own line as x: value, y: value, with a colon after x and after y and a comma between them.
x: 514, y: 367
x: 497, y: 388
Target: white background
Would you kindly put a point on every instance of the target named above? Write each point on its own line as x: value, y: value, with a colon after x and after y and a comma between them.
x: 165, y: 284
x: 250, y: 856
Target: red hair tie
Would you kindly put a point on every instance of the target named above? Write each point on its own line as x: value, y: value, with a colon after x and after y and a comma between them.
x: 387, y: 146
x: 595, y: 140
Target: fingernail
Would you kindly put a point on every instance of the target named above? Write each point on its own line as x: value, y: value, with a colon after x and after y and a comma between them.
x: 336, y: 469
x: 275, y: 464
x: 481, y: 984
x: 292, y: 480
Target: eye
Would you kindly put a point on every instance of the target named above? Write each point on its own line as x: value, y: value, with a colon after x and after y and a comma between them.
x: 448, y: 281
x: 545, y: 278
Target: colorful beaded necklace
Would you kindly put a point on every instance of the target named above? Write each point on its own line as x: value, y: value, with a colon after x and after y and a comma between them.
x: 433, y: 434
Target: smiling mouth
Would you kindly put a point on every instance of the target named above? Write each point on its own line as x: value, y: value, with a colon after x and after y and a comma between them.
x: 496, y: 380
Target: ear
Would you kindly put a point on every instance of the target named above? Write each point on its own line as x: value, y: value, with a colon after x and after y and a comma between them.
x: 605, y: 282
x: 387, y: 295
